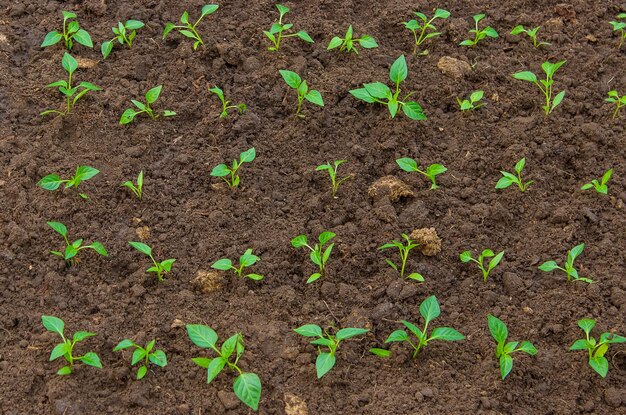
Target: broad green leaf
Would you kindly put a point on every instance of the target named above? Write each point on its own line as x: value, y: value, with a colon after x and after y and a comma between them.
x: 124, y: 344
x: 586, y: 324
x: 465, y: 256
x: 414, y: 111
x: 247, y: 387
x: 203, y: 362
x: 325, y: 237
x: 496, y: 260
x: 525, y: 76
x: 291, y: 78
x: 490, y: 31
x: 299, y: 241
x: 220, y: 170
x: 368, y: 42
x: 168, y: 28
x: 517, y: 30
x: 153, y: 94
x: 436, y: 169
x: 557, y: 99
x: 223, y: 264
x: 497, y: 328
x: 69, y: 63
x: 607, y: 176
x: 59, y: 227
x: 159, y: 358
x: 228, y: 347
x: 255, y: 277
x: 327, y: 252
x: 309, y: 330
x: 414, y: 329
x: 362, y: 94
x: 429, y: 309
x: 51, y: 38
x: 214, y: 369
x: 528, y: 347
x: 580, y: 344
x: 407, y: 164
x: 519, y: 166
x: 248, y: 258
x: 378, y: 90
x: 247, y: 156
x: 416, y: 277
x: 380, y: 352
x: 128, y: 116
x: 314, y: 97
x: 133, y: 24
x: 314, y: 277
x: 59, y: 350
x: 398, y: 71
x: 446, y: 333
x: 82, y: 335
x: 323, y: 363
x: 53, y: 324
x: 467, y: 42
x: 323, y: 342
x: 575, y: 252
x: 208, y: 9
x: 397, y: 336
x: 141, y: 372
x: 106, y: 48
x: 304, y: 36
x: 82, y: 37
x: 91, y: 359
x: 548, y: 266
x: 201, y: 335
x: 600, y: 364
x: 347, y: 333
x: 392, y: 106
x: 65, y: 370
x: 141, y: 247
x: 441, y: 14
x: 503, y: 183
x: 509, y: 347
x: 138, y: 355
x: 506, y: 364
x: 85, y: 172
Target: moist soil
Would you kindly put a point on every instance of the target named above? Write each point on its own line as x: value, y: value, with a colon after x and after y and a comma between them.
x: 186, y: 215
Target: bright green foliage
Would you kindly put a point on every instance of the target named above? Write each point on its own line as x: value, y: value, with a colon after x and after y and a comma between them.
x: 348, y: 43
x: 225, y: 104
x: 508, y: 179
x: 53, y: 181
x: 280, y: 30
x: 124, y: 33
x: 326, y: 360
x: 71, y: 33
x: 616, y: 99
x: 66, y: 348
x: 478, y: 33
x: 143, y: 355
x: 410, y: 165
x: 596, y: 349
x: 531, y: 33
x: 601, y: 185
x: 247, y: 386
x: 229, y: 174
x: 429, y: 310
x: 72, y: 93
x: 377, y: 92
x: 620, y: 27
x: 319, y: 254
x: 332, y: 172
x: 188, y: 29
x: 572, y: 273
x: 466, y: 256
x: 473, y: 102
x: 504, y: 350
x: 137, y: 189
x: 404, y: 250
x: 294, y: 81
x: 426, y: 28
x: 151, y: 96
x: 71, y: 249
x: 246, y: 260
x: 160, y: 268
x: 545, y: 86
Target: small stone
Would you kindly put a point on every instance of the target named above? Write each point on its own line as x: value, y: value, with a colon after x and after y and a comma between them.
x: 427, y: 392
x: 453, y: 68
x: 513, y: 284
x: 429, y: 242
x: 389, y: 187
x: 294, y: 405
x: 84, y: 63
x: 228, y: 399
x: 177, y: 323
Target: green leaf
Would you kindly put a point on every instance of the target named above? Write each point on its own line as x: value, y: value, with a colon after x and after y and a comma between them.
x: 159, y: 358
x: 91, y: 359
x: 82, y: 335
x: 467, y: 42
x: 586, y: 324
x: 429, y: 309
x: 600, y: 364
x: 69, y: 63
x: 506, y: 364
x: 228, y: 347
x: 59, y: 350
x: 220, y: 170
x: 85, y: 173
x: 309, y: 330
x: 141, y: 247
x: 527, y: 347
x: 124, y: 344
x: 362, y: 94
x: 291, y: 78
x: 380, y: 352
x: 416, y: 277
x: 323, y: 342
x: 255, y: 277
x: 503, y: 183
x: 153, y: 94
x: 247, y: 387
x: 141, y: 372
x: 414, y: 111
x: 476, y: 96
x: 580, y: 344
x: 82, y: 37
x: 203, y: 362
x: 347, y: 333
x: 525, y: 76
x: 138, y: 355
x: 299, y: 241
x: 575, y: 252
x: 214, y: 369
x: 325, y: 237
x: 465, y: 256
x: 313, y: 277
x: 397, y: 336
x: 223, y: 264
x: 247, y: 156
x: 414, y: 329
x: 446, y: 334
x: 51, y: 38
x: 65, y: 370
x: 53, y: 324
x: 557, y: 100
x: 248, y: 258
x: 497, y: 328
x: 436, y: 169
x: 323, y: 363
x: 378, y: 90
x: 304, y: 36
x: 168, y: 28
x: 208, y: 9
x: 128, y: 116
x: 398, y: 71
x: 202, y: 336
x: 607, y: 176
x: 59, y: 227
x: 314, y: 97
x: 407, y: 164
x: 368, y: 42
x: 133, y: 24
x: 548, y: 266
x: 495, y: 261
x: 106, y: 48
x: 490, y: 31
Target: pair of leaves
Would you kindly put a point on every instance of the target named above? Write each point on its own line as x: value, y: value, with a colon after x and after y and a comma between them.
x: 597, y: 349
x: 475, y: 97
x: 499, y: 332
x: 53, y: 181
x: 601, y: 185
x: 157, y: 357
x: 348, y: 42
x: 151, y: 97
x: 295, y: 81
x: 319, y: 256
x: 222, y: 170
x: 466, y: 256
x: 508, y: 179
x: 410, y: 165
x: 136, y: 189
x: 121, y: 35
x: 73, y: 32
x: 479, y: 34
x: 246, y: 260
x: 569, y: 269
x: 531, y: 33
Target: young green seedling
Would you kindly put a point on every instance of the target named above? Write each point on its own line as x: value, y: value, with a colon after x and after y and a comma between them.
x: 332, y: 172
x: 223, y: 171
x: 508, y: 179
x: 53, y: 181
x: 326, y: 360
x: 189, y: 30
x: 143, y: 355
x: 572, y: 273
x: 136, y: 189
x: 151, y: 96
x: 124, y: 33
x: 596, y: 349
x: 504, y: 350
x: 319, y: 254
x: 545, y: 86
x: 601, y: 185
x: 429, y: 310
x: 410, y: 165
x: 246, y: 260
x: 275, y: 34
x: 619, y: 102
x: 377, y: 92
x: 247, y: 386
x: 225, y: 104
x: 466, y: 256
x: 71, y: 249
x: 404, y: 254
x: 160, y: 268
x: 479, y: 34
x: 348, y: 43
x: 620, y: 27
x: 72, y: 93
x: 426, y: 28
x: 66, y: 348
x: 294, y: 81
x: 71, y: 33
x: 473, y: 102
x: 531, y: 33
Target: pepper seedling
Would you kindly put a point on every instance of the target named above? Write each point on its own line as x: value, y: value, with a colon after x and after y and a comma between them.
x: 137, y: 189
x: 348, y: 43
x: 466, y: 256
x: 189, y: 30
x: 66, y: 348
x: 71, y: 33
x: 616, y: 99
x: 53, y: 181
x: 145, y: 356
x: 225, y: 104
x: 596, y: 349
x: 319, y: 254
x: 473, y: 102
x: 151, y: 96
x: 124, y: 34
x: 478, y: 33
x: 620, y: 27
x: 432, y: 171
x: 294, y: 81
x: 404, y: 250
x: 159, y: 268
x: 326, y: 360
x: 71, y: 249
x: 426, y: 28
x: 223, y: 171
x: 509, y: 178
x: 600, y: 185
x: 531, y: 33
x: 275, y: 34
x: 572, y: 273
x: 246, y: 260
x: 332, y: 172
x: 499, y: 332
x: 247, y: 386
x: 545, y: 86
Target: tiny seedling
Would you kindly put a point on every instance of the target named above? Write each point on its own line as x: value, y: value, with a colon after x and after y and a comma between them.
x: 280, y: 30
x: 404, y: 250
x: 223, y: 171
x: 473, y: 102
x: 53, y: 181
x: 71, y: 249
x: 319, y: 254
x: 596, y: 349
x: 66, y: 349
x: 326, y: 360
x: 544, y: 86
x: 143, y: 355
x: 332, y: 172
x: 572, y: 273
x: 160, y: 268
x: 137, y: 189
x: 294, y: 81
x: 348, y: 43
x: 124, y: 34
x: 466, y: 256
x: 429, y: 310
x: 619, y: 102
x: 189, y: 30
x: 620, y: 27
x: 531, y: 33
x: 601, y: 185
x: 508, y: 179
x: 71, y: 33
x: 426, y: 28
x: 246, y: 260
x: 499, y: 332
x: 478, y: 33
x: 247, y: 386
x: 72, y: 93
x: 377, y: 92
x: 410, y: 165
x: 225, y: 104
x: 151, y: 96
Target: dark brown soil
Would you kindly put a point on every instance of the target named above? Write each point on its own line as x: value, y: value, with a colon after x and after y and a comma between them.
x: 282, y: 196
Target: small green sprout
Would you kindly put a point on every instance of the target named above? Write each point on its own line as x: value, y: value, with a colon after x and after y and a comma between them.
x: 319, y: 254
x: 600, y: 186
x: 473, y: 102
x: 596, y: 349
x: 377, y: 92
x: 71, y: 33
x: 332, y: 172
x: 619, y: 102
x: 620, y: 27
x: 499, y: 332
x: 410, y: 165
x: 466, y: 256
x: 426, y: 29
x: 348, y: 43
x: 225, y: 104
x: 66, y: 349
x: 531, y: 33
x: 246, y: 260
x: 247, y: 386
x: 53, y: 181
x: 151, y: 96
x: 124, y: 33
x: 509, y: 178
x: 160, y: 268
x: 479, y: 34
x: 294, y: 81
x: 71, y: 249
x: 136, y: 189
x: 404, y: 254
x: 572, y: 273
x: 143, y: 355
x: 189, y: 30
x: 545, y: 86
x: 275, y: 34
x: 326, y: 360
x: 223, y: 171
